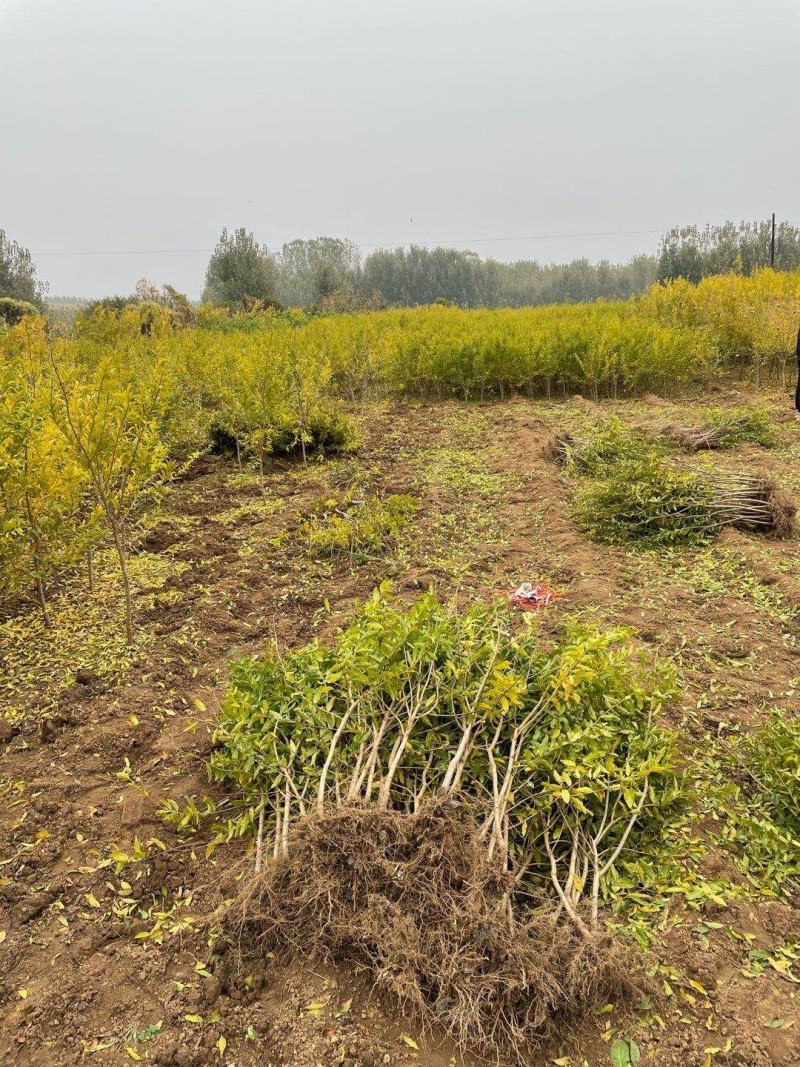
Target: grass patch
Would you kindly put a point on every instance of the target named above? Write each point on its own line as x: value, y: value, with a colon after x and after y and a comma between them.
x: 461, y: 469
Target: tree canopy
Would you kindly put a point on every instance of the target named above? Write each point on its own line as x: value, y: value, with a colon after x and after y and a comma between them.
x: 694, y: 252
x: 240, y: 271
x: 18, y: 274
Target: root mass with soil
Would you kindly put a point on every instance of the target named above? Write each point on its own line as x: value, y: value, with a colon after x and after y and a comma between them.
x: 414, y: 898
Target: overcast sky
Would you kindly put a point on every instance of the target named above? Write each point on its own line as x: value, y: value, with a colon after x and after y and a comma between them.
x: 131, y: 125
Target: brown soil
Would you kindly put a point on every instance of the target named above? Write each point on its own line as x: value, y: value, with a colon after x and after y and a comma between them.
x: 87, y: 766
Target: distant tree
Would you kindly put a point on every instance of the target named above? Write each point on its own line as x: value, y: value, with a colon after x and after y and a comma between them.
x: 240, y: 271
x: 693, y: 252
x: 18, y: 274
x: 144, y: 293
x: 107, y: 303
x: 425, y: 276
x: 311, y: 273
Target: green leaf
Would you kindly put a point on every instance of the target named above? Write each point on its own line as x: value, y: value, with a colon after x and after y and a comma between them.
x: 625, y: 1052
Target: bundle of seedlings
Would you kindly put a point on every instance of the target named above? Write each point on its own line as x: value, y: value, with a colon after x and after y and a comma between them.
x: 656, y: 503
x: 751, y: 502
x: 442, y: 800
x: 602, y: 446
x: 726, y: 428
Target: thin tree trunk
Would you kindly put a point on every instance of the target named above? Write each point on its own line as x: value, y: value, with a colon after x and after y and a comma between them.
x: 43, y: 603
x: 260, y: 837
x: 126, y: 585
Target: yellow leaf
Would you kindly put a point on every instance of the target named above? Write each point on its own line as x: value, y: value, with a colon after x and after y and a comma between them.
x: 23, y: 994
x: 133, y: 720
x: 132, y: 1053
x: 409, y: 1041
x: 222, y: 1044
x: 193, y: 1018
x: 198, y: 703
x: 92, y: 900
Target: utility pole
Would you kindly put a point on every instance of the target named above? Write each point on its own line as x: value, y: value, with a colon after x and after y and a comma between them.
x: 772, y: 243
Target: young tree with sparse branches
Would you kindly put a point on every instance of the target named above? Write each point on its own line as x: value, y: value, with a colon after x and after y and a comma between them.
x: 43, y: 521
x: 111, y: 422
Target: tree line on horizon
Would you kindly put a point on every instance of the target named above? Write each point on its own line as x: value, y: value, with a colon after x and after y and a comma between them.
x: 329, y: 274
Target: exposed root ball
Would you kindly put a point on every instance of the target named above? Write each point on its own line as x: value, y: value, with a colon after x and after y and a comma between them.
x: 557, y: 447
x: 414, y: 899
x: 782, y: 509
x: 753, y: 503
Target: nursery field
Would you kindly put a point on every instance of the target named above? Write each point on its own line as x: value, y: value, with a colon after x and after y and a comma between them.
x: 411, y: 686
x: 130, y: 920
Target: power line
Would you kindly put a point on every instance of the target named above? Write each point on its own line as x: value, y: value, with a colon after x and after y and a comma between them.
x: 380, y: 244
